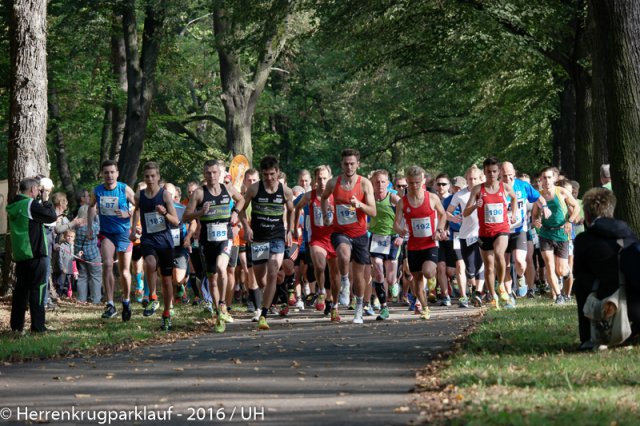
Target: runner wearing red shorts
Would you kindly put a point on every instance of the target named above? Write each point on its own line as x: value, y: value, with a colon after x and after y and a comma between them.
x: 322, y: 252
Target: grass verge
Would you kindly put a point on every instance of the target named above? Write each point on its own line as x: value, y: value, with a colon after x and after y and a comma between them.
x: 78, y: 329
x: 521, y: 367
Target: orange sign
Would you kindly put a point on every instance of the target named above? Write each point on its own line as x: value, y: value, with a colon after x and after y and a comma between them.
x: 238, y: 166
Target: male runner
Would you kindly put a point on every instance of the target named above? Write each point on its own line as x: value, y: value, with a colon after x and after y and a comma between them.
x: 211, y: 204
x: 154, y: 208
x: 111, y: 199
x: 267, y: 234
x: 555, y: 230
x: 490, y: 198
x: 417, y: 211
x: 354, y: 201
x: 385, y: 243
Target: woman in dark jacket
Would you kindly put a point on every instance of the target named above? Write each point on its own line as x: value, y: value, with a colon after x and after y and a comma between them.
x: 596, y: 257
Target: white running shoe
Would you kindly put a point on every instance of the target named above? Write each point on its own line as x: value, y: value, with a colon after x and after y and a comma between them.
x: 357, y: 317
x: 256, y: 316
x: 300, y: 304
x: 344, y: 293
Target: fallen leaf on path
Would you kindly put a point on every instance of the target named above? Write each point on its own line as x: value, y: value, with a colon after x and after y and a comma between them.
x: 236, y: 361
x: 403, y: 409
x: 83, y: 395
x: 295, y: 364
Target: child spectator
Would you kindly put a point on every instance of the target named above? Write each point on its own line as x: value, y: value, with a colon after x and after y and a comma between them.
x: 66, y: 265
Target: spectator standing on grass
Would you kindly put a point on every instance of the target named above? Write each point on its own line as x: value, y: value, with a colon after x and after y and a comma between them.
x: 596, y: 258
x: 90, y: 262
x: 29, y: 249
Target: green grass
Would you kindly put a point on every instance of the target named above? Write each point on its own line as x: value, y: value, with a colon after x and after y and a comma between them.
x: 79, y: 329
x: 522, y: 367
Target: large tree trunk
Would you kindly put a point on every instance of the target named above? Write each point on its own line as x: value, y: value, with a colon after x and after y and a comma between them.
x: 119, y: 67
x: 239, y: 96
x: 140, y: 81
x: 105, y: 137
x: 618, y: 43
x: 58, y: 138
x: 584, y: 130
x: 28, y: 102
x: 598, y: 111
x: 564, y: 131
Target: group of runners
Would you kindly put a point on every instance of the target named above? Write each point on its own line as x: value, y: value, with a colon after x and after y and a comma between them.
x: 336, y: 243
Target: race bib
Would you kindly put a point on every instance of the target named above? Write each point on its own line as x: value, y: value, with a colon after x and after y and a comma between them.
x: 155, y: 222
x: 471, y: 241
x: 108, y: 206
x: 421, y: 227
x: 494, y: 213
x: 318, y: 219
x: 346, y: 214
x: 217, y: 232
x: 175, y: 236
x: 536, y: 240
x: 259, y: 251
x: 380, y: 244
x: 456, y: 241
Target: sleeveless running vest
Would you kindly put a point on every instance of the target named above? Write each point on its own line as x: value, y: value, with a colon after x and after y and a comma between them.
x: 108, y: 201
x: 421, y: 221
x: 267, y: 213
x: 553, y: 227
x: 492, y: 216
x: 382, y: 223
x: 318, y: 230
x: 155, y: 229
x: 349, y: 221
x: 214, y: 224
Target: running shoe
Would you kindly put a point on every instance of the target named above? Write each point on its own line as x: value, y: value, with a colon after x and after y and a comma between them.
x: 522, y: 287
x: 504, y: 296
x: 531, y: 294
x: 511, y: 304
x: 219, y: 326
x: 395, y: 291
x: 560, y: 300
x: 273, y: 310
x: 445, y: 301
x: 180, y: 291
x: 151, y: 308
x: 335, y: 316
x: 284, y: 310
x: 166, y: 324
x: 262, y: 324
x: 357, y: 317
x: 376, y: 303
x: 320, y: 305
x: 300, y: 304
x: 368, y: 311
x: 418, y: 308
x: 208, y: 307
x: 352, y: 306
x: 384, y: 314
x: 432, y: 298
x: 292, y: 298
x: 256, y: 316
x: 477, y: 300
x: 412, y: 302
x: 139, y: 294
x: 327, y: 307
x: 225, y: 317
x: 463, y: 302
x: 110, y: 311
x: 126, y: 312
x: 311, y: 299
x: 426, y: 314
x: 196, y: 301
x: 344, y: 293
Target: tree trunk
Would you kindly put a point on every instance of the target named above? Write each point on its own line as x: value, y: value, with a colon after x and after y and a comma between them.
x: 105, y: 138
x: 140, y: 82
x: 564, y: 130
x: 584, y: 130
x: 239, y: 96
x: 119, y: 67
x: 28, y: 102
x: 58, y: 138
x: 618, y: 43
x: 599, y: 111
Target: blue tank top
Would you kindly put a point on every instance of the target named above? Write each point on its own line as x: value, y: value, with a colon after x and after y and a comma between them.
x: 108, y: 201
x: 155, y: 229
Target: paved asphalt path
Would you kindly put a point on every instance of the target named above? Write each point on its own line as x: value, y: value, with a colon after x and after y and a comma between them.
x: 304, y: 371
